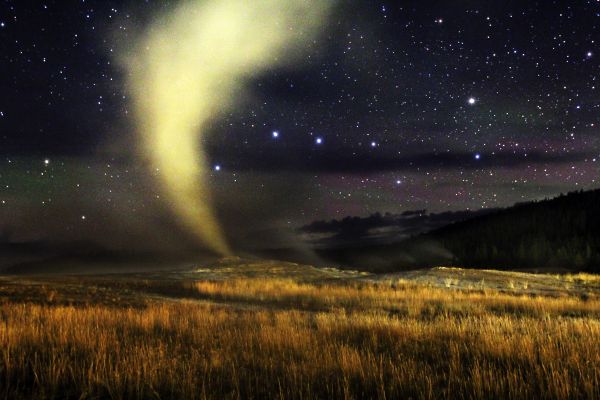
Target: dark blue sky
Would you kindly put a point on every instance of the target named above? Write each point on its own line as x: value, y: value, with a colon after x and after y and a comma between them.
x: 399, y: 105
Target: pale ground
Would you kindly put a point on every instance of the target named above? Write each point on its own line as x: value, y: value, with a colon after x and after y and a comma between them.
x: 520, y: 282
x: 113, y: 288
x: 443, y: 277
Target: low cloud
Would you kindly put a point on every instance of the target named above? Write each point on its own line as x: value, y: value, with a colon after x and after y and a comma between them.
x: 380, y: 228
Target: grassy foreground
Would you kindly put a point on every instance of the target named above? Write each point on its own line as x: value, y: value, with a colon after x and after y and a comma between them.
x: 281, y: 338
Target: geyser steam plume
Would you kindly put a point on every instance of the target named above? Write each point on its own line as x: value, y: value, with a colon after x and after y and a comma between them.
x: 189, y: 67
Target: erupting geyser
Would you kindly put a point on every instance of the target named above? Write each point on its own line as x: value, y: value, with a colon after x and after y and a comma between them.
x: 189, y: 67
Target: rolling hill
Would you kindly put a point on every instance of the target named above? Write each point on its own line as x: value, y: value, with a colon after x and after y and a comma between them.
x: 563, y: 232
x: 559, y: 233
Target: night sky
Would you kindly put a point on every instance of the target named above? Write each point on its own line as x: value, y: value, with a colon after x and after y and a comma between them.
x: 396, y: 106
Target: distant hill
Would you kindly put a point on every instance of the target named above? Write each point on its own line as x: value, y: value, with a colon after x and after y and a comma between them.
x: 377, y: 228
x: 561, y: 233
x: 82, y: 257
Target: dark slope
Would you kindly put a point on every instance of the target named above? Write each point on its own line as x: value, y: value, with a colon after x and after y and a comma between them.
x: 562, y: 232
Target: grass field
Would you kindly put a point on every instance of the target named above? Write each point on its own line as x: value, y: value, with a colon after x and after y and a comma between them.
x: 269, y: 330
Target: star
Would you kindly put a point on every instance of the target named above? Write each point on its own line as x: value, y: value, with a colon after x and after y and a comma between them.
x: 421, y: 97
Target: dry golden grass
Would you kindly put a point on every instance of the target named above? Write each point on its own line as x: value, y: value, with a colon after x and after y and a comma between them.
x: 580, y: 277
x: 401, y: 297
x: 278, y: 338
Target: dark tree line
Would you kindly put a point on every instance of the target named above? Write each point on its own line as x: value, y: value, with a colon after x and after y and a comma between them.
x: 562, y: 232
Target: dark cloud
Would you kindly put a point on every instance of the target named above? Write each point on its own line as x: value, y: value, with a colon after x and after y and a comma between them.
x: 397, y: 73
x: 380, y: 228
x: 343, y: 161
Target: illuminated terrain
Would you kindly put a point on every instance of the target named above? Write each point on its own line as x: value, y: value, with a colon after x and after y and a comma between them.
x: 299, y: 199
x: 251, y: 329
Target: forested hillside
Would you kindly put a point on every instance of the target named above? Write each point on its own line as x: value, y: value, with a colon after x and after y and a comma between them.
x: 562, y: 232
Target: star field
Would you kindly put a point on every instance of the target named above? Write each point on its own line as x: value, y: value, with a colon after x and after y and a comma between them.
x: 398, y: 105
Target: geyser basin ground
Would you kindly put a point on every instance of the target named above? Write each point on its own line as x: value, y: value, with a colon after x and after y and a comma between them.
x: 252, y: 329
